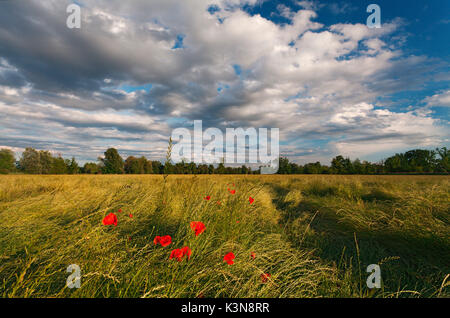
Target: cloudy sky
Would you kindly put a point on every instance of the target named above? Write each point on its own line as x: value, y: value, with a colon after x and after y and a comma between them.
x: 136, y: 70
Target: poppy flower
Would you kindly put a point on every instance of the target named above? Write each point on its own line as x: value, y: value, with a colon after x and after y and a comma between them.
x: 179, y: 253
x: 163, y: 240
x: 207, y: 198
x: 253, y: 255
x: 231, y: 191
x: 218, y: 202
x: 186, y: 251
x: 120, y: 210
x: 229, y: 258
x: 130, y: 215
x: 251, y: 200
x: 198, y: 227
x: 265, y: 277
x: 110, y: 219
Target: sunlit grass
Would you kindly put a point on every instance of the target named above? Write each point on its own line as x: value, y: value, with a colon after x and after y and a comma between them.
x: 315, y: 235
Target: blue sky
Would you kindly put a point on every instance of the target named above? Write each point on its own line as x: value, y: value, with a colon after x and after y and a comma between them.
x: 137, y: 70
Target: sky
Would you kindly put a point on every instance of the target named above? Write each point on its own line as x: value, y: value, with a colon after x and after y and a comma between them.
x: 136, y: 70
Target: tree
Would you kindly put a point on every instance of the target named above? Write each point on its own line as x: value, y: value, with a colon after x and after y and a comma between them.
x: 443, y: 164
x: 146, y: 165
x: 341, y: 166
x: 284, y: 166
x: 59, y: 166
x: 157, y: 167
x: 29, y: 162
x: 72, y: 167
x: 132, y: 166
x: 7, y: 161
x: 46, y: 161
x: 113, y: 162
x: 91, y: 168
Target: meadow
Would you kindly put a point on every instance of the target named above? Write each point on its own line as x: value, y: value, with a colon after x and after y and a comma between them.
x: 302, y: 236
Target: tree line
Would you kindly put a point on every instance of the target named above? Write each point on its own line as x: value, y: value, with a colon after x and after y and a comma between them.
x: 35, y: 161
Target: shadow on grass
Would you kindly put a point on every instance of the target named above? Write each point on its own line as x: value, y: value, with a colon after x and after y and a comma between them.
x: 423, y: 260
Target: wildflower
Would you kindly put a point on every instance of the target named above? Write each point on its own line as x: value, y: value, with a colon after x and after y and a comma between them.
x: 251, y: 200
x: 265, y: 277
x: 130, y: 215
x: 110, y: 219
x: 163, y: 240
x: 229, y: 258
x: 230, y: 190
x: 207, y: 198
x: 253, y: 255
x: 179, y: 253
x: 198, y: 227
x: 120, y: 210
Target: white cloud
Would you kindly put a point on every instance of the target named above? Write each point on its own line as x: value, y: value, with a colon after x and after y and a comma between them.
x: 440, y: 99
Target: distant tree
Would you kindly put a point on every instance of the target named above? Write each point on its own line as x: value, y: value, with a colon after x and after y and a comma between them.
x: 312, y: 168
x: 146, y: 164
x: 113, y: 162
x: 357, y: 167
x: 157, y: 167
x: 220, y: 168
x: 443, y: 163
x: 91, y: 168
x: 341, y: 165
x: 72, y: 167
x: 46, y: 161
x: 133, y: 166
x: 59, y: 166
x: 284, y: 166
x: 7, y: 161
x: 29, y: 162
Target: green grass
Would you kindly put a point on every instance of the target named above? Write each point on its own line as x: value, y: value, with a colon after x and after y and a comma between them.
x: 315, y: 235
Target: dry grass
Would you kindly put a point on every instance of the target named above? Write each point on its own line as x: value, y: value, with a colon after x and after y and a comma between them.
x: 315, y: 235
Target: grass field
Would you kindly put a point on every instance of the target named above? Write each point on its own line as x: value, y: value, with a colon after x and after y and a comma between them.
x: 314, y: 235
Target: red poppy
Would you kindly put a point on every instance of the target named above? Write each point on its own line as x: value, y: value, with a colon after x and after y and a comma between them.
x: 179, y: 253
x: 250, y: 199
x: 231, y: 191
x: 207, y: 198
x: 253, y: 255
x: 218, y: 202
x: 130, y: 215
x: 198, y: 227
x: 265, y: 277
x: 229, y: 258
x: 164, y: 240
x: 186, y: 251
x: 120, y: 210
x: 110, y: 219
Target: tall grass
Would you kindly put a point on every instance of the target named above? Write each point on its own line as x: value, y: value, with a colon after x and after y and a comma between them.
x: 315, y: 235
